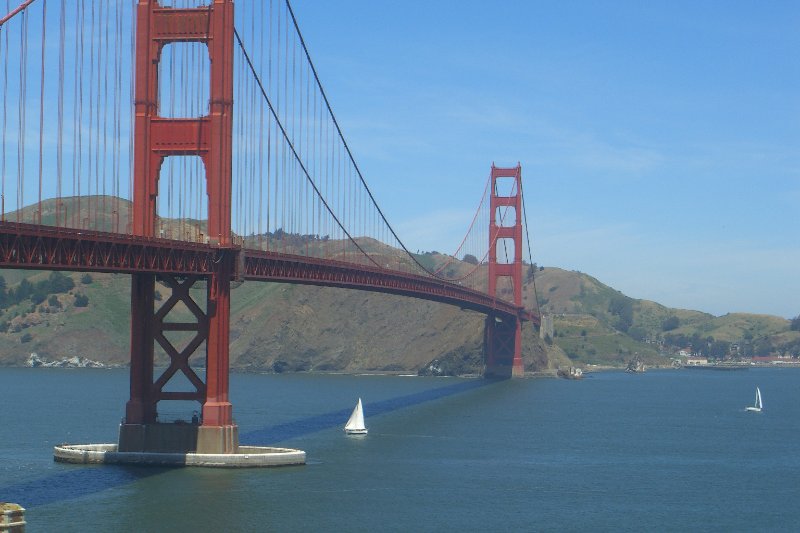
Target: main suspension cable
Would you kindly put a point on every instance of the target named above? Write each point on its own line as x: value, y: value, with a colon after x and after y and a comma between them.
x: 530, y: 254
x: 17, y: 10
x: 294, y: 151
x: 347, y: 147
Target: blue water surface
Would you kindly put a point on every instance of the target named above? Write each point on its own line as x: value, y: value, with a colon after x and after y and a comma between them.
x: 660, y: 451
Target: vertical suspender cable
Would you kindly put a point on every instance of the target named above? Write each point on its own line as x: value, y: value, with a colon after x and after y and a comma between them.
x: 293, y: 204
x: 90, y: 173
x: 104, y: 171
x: 102, y: 85
x: 132, y: 111
x: 60, y: 149
x: 317, y: 160
x: 117, y: 110
x: 270, y: 207
x: 253, y: 153
x: 23, y: 80
x: 4, y: 35
x: 97, y: 153
x: 79, y: 77
x: 237, y: 194
x: 75, y: 149
x: 41, y: 108
x: 530, y: 253
x: 283, y: 143
x: 169, y: 214
x: 260, y: 137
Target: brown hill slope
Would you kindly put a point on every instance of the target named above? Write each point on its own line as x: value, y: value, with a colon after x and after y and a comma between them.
x: 274, y: 327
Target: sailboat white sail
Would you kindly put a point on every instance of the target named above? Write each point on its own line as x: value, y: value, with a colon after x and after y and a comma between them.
x: 758, y: 404
x: 355, y: 425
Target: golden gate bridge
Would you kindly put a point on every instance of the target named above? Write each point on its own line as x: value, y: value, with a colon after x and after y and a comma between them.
x: 191, y: 143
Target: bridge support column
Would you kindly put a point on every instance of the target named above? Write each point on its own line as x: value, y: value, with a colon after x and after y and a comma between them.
x: 218, y: 434
x: 142, y: 430
x: 141, y: 408
x: 209, y: 137
x: 503, y: 345
x: 503, y: 337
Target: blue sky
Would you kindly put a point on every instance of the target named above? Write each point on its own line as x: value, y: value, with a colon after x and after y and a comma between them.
x: 660, y: 141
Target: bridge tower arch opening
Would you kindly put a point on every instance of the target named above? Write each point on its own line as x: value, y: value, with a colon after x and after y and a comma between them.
x: 156, y: 139
x: 182, y: 200
x: 503, y: 335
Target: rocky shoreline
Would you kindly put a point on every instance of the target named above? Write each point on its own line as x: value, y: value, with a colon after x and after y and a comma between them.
x: 35, y: 361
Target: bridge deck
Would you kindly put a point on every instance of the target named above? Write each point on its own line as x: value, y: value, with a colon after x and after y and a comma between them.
x: 29, y: 246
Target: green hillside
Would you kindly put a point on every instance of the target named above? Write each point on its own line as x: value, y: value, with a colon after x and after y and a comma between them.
x: 596, y: 324
x: 274, y: 327
x: 284, y: 327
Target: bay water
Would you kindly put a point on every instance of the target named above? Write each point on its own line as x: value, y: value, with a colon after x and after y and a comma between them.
x: 661, y: 451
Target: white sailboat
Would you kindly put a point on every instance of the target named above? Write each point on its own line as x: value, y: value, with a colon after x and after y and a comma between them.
x: 758, y: 405
x: 355, y: 425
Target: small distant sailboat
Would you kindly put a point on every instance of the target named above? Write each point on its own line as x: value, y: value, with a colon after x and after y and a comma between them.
x: 355, y: 425
x: 758, y: 405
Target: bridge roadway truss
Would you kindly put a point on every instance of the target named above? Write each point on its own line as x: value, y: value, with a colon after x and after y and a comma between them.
x: 30, y: 246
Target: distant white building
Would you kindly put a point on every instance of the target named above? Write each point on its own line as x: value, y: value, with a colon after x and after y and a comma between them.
x: 696, y: 361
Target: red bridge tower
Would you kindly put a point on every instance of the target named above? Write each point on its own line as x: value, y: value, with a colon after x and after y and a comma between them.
x: 210, y: 138
x: 503, y: 337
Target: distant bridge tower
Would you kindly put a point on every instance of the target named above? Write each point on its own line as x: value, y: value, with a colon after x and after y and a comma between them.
x: 503, y: 337
x: 156, y: 138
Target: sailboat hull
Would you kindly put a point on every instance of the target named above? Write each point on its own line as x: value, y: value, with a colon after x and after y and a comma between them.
x: 754, y: 409
x: 355, y: 431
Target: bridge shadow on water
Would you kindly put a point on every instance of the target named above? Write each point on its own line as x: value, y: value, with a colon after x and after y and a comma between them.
x: 304, y: 426
x: 70, y: 485
x: 84, y: 480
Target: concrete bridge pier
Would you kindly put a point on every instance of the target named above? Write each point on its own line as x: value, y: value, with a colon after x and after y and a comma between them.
x: 503, y: 348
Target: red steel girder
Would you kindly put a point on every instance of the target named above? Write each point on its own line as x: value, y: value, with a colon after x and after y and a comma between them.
x: 269, y: 266
x: 179, y: 359
x: 30, y: 246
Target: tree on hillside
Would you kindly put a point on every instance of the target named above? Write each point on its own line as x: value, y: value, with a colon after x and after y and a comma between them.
x: 637, y: 333
x: 622, y: 307
x: 22, y: 292
x: 39, y: 295
x: 793, y: 348
x: 795, y: 323
x: 471, y: 259
x: 671, y: 323
x: 763, y: 346
x: 58, y: 282
x: 719, y: 349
